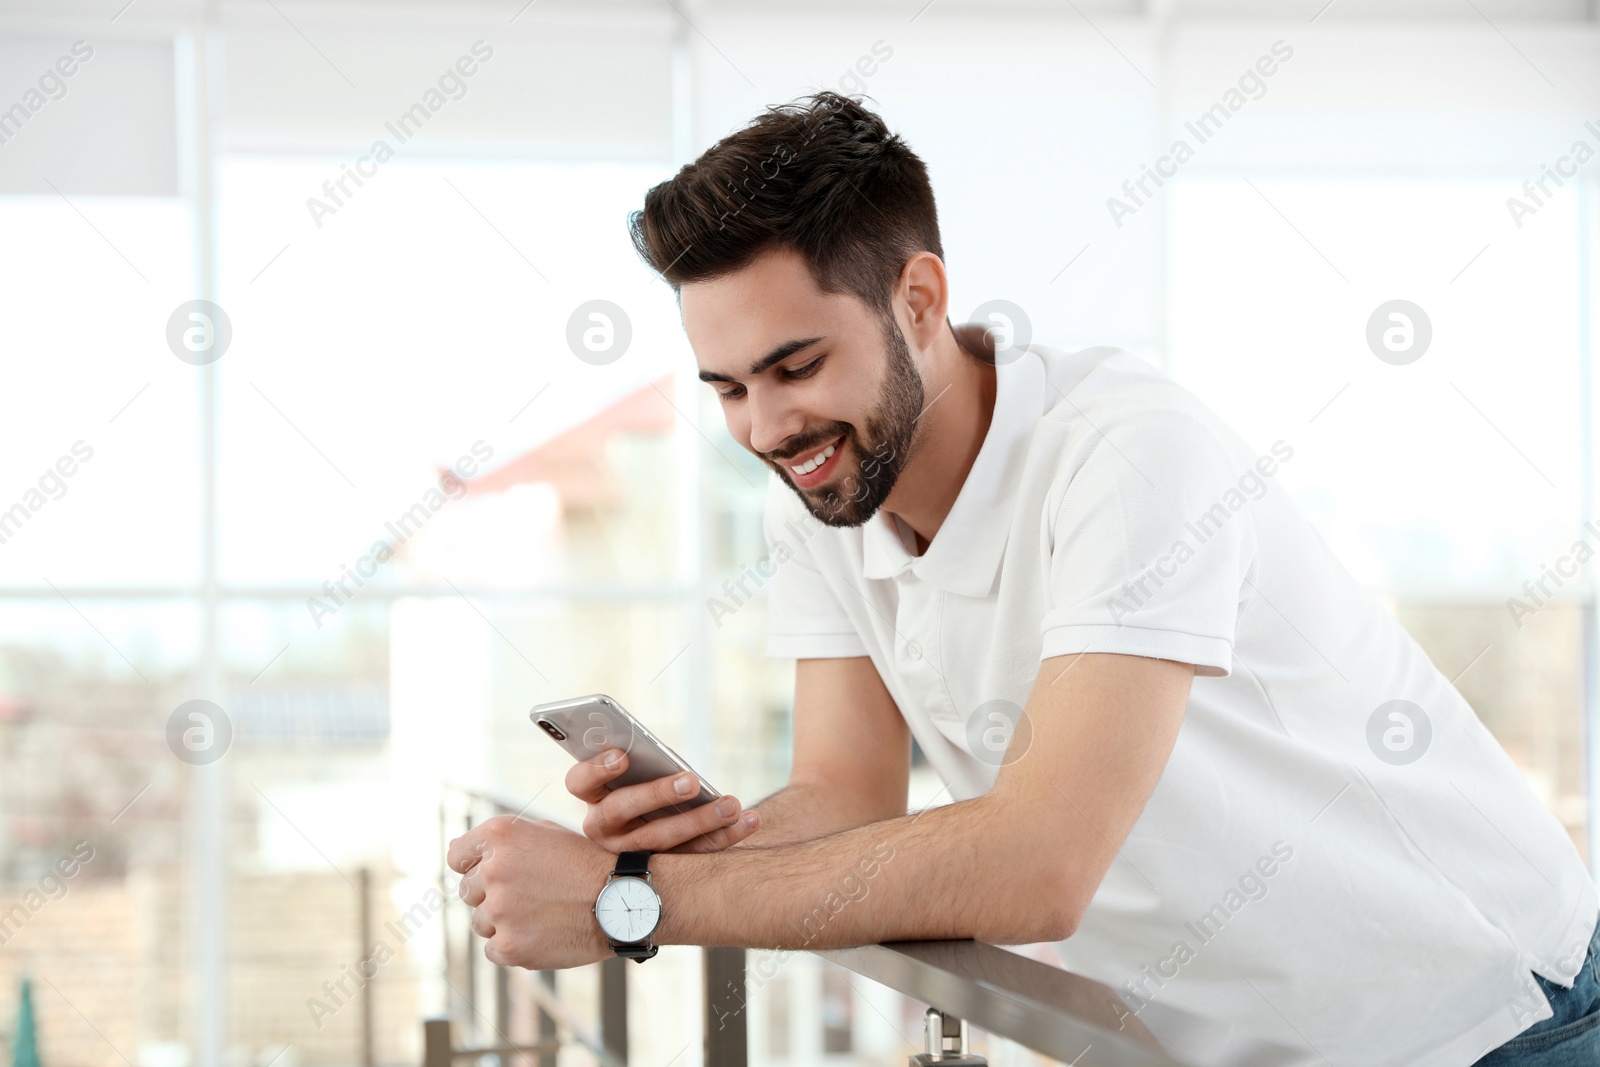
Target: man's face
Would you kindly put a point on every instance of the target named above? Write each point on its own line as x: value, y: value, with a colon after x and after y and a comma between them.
x: 800, y: 374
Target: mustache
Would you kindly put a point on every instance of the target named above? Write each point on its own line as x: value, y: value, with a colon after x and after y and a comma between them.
x: 809, y: 447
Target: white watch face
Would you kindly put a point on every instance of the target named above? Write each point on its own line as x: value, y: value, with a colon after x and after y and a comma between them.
x: 628, y: 909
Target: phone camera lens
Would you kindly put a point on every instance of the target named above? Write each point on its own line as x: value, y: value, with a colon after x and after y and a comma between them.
x: 551, y: 729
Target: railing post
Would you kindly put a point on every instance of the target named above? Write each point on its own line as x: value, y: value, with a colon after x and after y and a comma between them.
x: 444, y: 892
x: 364, y: 921
x: 726, y: 1035
x: 436, y: 1042
x: 946, y: 1042
x: 614, y: 1007
x: 547, y: 1022
x: 502, y: 1000
x: 469, y: 955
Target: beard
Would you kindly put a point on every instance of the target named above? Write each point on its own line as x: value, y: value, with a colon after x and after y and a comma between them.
x: 879, y: 451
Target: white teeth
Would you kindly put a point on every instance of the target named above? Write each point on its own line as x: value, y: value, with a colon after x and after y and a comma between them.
x: 815, y: 461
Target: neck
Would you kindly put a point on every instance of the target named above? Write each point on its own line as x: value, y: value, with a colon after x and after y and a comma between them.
x: 959, y: 389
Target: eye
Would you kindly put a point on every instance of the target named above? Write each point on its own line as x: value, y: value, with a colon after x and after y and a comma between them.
x: 790, y: 373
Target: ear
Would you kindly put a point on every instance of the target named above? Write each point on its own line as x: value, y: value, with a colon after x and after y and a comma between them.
x: 925, y: 293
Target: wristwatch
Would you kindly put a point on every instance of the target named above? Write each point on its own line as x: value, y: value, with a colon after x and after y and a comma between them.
x: 628, y: 908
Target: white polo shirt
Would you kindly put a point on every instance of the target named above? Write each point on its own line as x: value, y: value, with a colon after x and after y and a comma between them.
x: 1365, y: 881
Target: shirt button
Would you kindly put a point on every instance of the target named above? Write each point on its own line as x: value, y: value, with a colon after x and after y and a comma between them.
x: 914, y: 650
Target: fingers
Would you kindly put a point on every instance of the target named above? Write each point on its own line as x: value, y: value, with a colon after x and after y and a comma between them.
x: 471, y: 889
x: 481, y: 925
x: 615, y: 816
x: 465, y: 851
x: 704, y: 829
x: 717, y: 840
x: 588, y: 779
x: 621, y: 806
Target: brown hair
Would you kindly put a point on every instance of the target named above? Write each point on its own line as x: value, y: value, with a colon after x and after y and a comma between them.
x: 822, y: 175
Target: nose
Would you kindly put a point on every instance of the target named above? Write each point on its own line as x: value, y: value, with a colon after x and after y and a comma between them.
x: 772, y: 420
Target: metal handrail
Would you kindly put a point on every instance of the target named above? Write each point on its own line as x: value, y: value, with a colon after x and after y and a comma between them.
x: 1048, y: 1009
x: 1054, y: 1012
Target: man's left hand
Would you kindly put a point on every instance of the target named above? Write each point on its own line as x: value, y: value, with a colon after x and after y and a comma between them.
x: 533, y: 886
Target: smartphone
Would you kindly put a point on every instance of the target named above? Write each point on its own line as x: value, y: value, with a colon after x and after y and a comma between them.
x: 587, y: 726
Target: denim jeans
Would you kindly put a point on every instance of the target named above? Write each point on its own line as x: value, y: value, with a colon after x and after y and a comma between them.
x: 1570, y: 1037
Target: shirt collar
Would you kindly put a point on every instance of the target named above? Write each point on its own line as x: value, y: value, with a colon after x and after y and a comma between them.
x: 964, y: 555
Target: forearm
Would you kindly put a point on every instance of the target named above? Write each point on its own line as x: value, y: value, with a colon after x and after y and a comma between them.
x: 968, y: 869
x: 803, y: 811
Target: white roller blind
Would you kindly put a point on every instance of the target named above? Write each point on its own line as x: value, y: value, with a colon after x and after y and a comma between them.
x: 561, y: 85
x: 85, y: 115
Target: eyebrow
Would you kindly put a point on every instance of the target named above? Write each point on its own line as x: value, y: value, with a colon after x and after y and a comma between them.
x: 783, y: 351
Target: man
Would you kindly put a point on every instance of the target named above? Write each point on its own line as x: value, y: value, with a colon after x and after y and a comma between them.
x: 1183, y: 744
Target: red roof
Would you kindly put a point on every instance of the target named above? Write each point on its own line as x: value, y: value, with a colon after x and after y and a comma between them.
x: 574, y: 460
x: 12, y: 709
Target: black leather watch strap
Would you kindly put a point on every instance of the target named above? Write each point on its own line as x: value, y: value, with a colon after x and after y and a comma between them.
x: 635, y: 863
x: 637, y: 953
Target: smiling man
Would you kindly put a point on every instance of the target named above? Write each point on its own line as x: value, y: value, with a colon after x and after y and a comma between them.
x: 1183, y: 745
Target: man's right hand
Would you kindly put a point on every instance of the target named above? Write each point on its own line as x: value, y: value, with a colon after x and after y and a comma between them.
x: 613, y: 817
